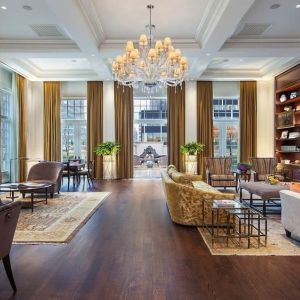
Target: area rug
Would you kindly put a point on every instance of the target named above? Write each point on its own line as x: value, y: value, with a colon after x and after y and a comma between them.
x: 277, y: 243
x: 59, y: 220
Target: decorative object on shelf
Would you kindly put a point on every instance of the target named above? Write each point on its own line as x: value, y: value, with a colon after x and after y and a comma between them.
x: 294, y: 135
x: 285, y: 161
x: 297, y: 161
x: 272, y: 179
x: 285, y: 119
x: 151, y: 66
x: 284, y: 134
x: 288, y: 108
x: 190, y: 150
x: 293, y: 95
x: 283, y: 98
x: 297, y: 107
x: 108, y: 150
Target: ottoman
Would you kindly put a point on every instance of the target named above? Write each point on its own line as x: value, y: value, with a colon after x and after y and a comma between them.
x: 264, y: 190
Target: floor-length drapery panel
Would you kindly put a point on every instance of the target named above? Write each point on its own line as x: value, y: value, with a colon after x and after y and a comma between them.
x: 176, y: 125
x: 22, y: 135
x: 95, y: 124
x: 248, y: 117
x: 52, y: 135
x: 124, y: 129
x: 204, y: 122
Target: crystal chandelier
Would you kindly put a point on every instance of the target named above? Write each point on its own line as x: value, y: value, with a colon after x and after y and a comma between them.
x: 151, y: 67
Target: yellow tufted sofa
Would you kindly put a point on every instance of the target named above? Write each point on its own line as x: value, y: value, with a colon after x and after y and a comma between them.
x: 186, y: 202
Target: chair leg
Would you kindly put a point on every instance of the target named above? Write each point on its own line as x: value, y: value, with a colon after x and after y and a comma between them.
x: 7, y: 266
x: 288, y: 233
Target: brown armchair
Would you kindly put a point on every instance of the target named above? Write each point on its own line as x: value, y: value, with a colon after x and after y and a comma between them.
x: 48, y: 171
x: 9, y: 215
x: 218, y: 172
x: 263, y: 166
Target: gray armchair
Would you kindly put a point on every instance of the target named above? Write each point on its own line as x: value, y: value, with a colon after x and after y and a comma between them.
x: 49, y: 172
x: 9, y: 215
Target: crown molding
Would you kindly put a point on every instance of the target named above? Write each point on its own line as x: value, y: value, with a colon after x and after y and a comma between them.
x: 210, y: 19
x: 90, y: 13
x: 7, y: 45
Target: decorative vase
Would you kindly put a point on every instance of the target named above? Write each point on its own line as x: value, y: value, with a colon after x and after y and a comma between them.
x: 109, y: 167
x: 191, y: 164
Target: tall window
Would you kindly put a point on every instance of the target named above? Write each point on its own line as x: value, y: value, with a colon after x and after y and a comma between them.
x: 5, y: 101
x: 150, y: 117
x: 226, y: 128
x: 73, y: 128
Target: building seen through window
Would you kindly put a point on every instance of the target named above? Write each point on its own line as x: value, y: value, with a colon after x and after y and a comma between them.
x: 73, y: 128
x: 226, y: 128
x: 150, y: 131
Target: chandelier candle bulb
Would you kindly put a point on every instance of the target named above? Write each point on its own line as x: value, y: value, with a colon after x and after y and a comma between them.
x: 129, y: 46
x: 143, y: 40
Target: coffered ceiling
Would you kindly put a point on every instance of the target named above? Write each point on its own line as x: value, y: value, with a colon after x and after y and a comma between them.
x: 77, y: 39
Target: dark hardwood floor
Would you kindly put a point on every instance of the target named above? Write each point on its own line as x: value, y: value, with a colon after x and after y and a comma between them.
x: 130, y: 249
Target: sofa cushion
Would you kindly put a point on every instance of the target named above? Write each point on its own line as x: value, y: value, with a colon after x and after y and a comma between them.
x: 223, y: 177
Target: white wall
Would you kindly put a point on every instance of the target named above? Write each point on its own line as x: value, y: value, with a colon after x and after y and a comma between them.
x: 35, y: 120
x: 190, y: 111
x: 73, y: 89
x: 108, y: 111
x: 265, y: 118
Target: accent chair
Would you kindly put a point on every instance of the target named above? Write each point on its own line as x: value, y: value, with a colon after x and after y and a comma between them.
x: 9, y: 214
x: 218, y: 172
x: 264, y: 166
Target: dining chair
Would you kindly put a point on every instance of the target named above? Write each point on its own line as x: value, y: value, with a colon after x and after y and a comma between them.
x: 88, y: 172
x: 9, y: 214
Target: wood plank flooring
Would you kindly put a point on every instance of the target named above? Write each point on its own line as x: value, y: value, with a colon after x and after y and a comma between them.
x: 130, y: 249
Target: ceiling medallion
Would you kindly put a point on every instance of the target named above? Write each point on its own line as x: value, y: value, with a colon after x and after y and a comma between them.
x: 148, y: 66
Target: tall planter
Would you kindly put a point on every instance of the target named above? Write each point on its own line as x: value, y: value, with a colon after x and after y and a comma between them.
x: 191, y: 164
x: 109, y: 167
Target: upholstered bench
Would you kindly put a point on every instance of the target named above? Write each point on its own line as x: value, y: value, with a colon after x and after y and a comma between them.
x: 264, y: 190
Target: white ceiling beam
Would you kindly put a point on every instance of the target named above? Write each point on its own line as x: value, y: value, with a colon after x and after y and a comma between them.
x: 237, y: 47
x: 220, y: 21
x: 74, y: 21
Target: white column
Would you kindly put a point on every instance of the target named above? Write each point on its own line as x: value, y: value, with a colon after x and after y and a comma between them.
x: 265, y: 118
x: 108, y: 111
x: 190, y: 111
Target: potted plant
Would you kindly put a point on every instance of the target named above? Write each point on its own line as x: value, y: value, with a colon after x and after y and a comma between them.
x: 190, y: 151
x: 108, y: 150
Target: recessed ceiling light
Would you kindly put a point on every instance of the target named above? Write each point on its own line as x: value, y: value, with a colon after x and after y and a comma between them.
x: 92, y: 54
x: 4, y: 7
x: 207, y: 54
x: 275, y: 6
x: 241, y: 60
x: 27, y: 7
x: 297, y: 5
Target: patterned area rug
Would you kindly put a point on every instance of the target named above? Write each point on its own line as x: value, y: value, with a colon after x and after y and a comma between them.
x: 59, y: 220
x: 277, y: 243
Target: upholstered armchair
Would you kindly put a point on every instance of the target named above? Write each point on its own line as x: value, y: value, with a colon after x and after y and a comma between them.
x: 48, y: 171
x: 9, y: 215
x: 264, y: 166
x: 218, y: 172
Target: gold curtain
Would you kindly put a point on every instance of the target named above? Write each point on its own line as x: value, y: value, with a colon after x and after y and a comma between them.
x: 124, y: 130
x: 204, y: 122
x: 95, y: 124
x: 22, y: 141
x: 248, y: 116
x: 52, y: 140
x: 176, y: 125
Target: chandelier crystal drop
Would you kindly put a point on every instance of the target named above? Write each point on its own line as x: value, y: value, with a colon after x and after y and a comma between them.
x: 152, y: 67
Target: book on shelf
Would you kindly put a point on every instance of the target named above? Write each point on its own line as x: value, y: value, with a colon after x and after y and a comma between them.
x: 225, y: 203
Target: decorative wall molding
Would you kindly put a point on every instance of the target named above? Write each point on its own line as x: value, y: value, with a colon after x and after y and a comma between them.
x: 89, y: 11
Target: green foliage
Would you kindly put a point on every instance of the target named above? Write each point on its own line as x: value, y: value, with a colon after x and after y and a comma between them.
x: 107, y: 148
x: 192, y: 148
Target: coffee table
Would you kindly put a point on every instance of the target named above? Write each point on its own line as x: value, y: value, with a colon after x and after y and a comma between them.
x: 26, y: 187
x: 241, y: 223
x: 267, y: 193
